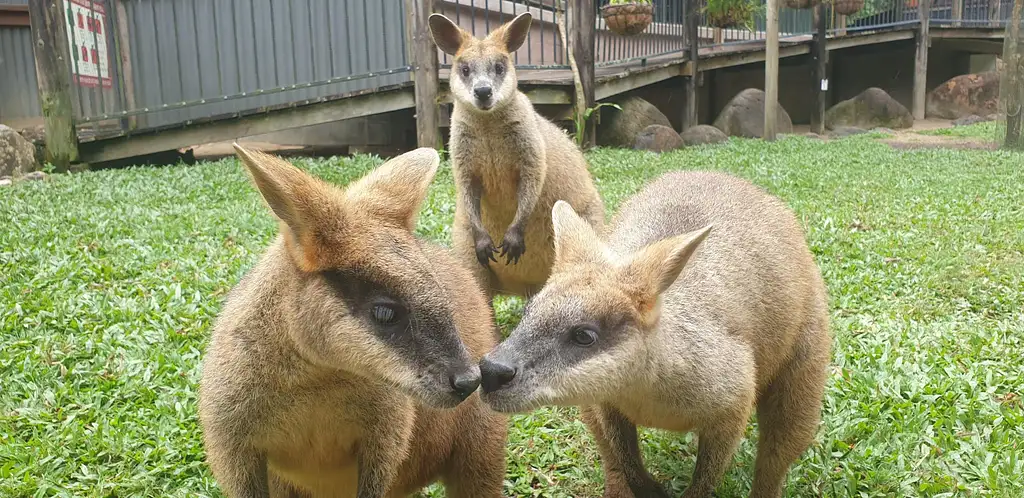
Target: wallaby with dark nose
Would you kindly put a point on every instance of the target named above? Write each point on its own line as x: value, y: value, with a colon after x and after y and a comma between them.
x: 510, y: 163
x: 701, y: 302
x: 344, y: 363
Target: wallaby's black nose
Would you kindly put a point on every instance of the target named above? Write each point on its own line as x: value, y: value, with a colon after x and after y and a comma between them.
x: 494, y: 375
x: 464, y: 383
x: 482, y: 92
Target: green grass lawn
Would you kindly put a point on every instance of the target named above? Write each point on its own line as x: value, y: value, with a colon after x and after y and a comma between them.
x: 109, y: 282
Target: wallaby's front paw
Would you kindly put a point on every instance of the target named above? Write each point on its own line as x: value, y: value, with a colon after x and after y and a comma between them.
x: 485, y: 250
x: 513, y: 246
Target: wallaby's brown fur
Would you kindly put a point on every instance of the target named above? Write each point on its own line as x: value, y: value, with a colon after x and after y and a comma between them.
x: 510, y: 163
x: 701, y: 302
x: 339, y: 364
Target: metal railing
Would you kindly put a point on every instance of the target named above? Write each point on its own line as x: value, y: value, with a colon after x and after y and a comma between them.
x: 543, y: 48
x: 164, y: 62
x: 971, y: 13
x: 794, y: 24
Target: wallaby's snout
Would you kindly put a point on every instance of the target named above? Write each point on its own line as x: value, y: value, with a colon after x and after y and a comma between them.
x: 464, y: 382
x: 496, y: 374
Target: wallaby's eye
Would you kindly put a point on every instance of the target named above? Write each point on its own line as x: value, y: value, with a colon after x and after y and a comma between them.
x: 386, y: 313
x: 499, y: 68
x: 584, y: 336
x: 465, y: 69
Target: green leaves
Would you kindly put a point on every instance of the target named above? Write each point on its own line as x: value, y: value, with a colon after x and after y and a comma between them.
x: 109, y: 283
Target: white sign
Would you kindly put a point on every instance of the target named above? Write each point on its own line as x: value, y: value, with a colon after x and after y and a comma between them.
x: 824, y: 85
x: 87, y: 42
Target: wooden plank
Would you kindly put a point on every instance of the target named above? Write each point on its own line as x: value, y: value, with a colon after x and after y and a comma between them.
x: 709, y: 62
x: 690, y: 118
x: 582, y: 43
x: 921, y: 60
x: 631, y: 81
x: 14, y: 15
x: 124, y: 51
x: 819, y: 63
x: 771, y: 70
x: 50, y: 47
x: 216, y: 131
x: 423, y: 55
x: 979, y: 33
x: 860, y: 40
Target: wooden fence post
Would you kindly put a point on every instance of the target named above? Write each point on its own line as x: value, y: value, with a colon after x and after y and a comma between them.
x: 958, y: 12
x: 690, y: 107
x: 582, y: 43
x: 820, y: 60
x: 1011, y: 86
x: 771, y: 70
x: 126, y: 76
x: 921, y: 60
x: 50, y: 47
x: 423, y: 55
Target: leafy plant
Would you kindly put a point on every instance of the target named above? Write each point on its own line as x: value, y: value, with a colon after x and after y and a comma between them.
x: 725, y: 13
x: 621, y: 2
x: 581, y: 125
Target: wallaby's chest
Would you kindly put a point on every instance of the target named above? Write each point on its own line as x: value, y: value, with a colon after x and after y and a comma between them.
x: 495, y: 156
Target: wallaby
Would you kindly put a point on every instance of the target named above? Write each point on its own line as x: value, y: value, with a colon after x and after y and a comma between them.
x: 344, y: 363
x: 510, y: 163
x: 700, y: 301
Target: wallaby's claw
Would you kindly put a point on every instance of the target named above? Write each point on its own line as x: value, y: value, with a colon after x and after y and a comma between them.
x: 485, y: 251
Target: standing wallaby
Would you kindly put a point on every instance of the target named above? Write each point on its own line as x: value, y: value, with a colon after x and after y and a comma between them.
x: 645, y: 328
x: 344, y: 363
x: 510, y: 163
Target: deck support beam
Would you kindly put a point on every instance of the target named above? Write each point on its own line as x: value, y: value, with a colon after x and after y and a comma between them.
x: 423, y: 55
x: 50, y: 47
x: 921, y: 60
x: 690, y: 106
x: 819, y: 58
x: 582, y: 43
x: 771, y: 71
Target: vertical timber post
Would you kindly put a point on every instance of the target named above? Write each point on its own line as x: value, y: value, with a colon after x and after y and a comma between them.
x: 124, y: 51
x: 423, y: 55
x: 958, y: 12
x: 771, y: 70
x: 1011, y: 86
x: 921, y: 60
x: 50, y: 47
x: 582, y: 43
x: 693, y: 48
x: 820, y: 60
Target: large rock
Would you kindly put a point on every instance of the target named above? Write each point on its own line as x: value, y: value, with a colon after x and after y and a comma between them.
x: 658, y: 138
x: 620, y: 128
x: 964, y: 95
x: 17, y: 155
x: 743, y: 116
x: 872, y: 108
x: 703, y: 134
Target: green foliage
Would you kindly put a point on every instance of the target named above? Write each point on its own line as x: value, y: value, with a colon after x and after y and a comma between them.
x: 729, y: 13
x: 620, y: 2
x: 580, y: 125
x: 109, y: 282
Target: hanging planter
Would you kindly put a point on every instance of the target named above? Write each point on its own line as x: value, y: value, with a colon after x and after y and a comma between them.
x: 628, y: 17
x: 730, y: 13
x: 800, y: 4
x: 847, y: 7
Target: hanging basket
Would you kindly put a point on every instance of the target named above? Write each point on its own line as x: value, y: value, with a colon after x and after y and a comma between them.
x: 800, y: 4
x: 628, y: 19
x: 847, y: 7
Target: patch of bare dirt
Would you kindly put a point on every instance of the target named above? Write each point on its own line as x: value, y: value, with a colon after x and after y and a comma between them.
x: 910, y: 140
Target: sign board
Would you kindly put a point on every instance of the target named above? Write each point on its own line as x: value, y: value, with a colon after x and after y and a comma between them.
x: 87, y: 42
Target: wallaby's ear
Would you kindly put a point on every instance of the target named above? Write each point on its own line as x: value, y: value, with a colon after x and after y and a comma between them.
x: 299, y: 200
x: 575, y: 240
x: 514, y: 32
x: 447, y: 35
x: 651, y: 270
x: 396, y: 189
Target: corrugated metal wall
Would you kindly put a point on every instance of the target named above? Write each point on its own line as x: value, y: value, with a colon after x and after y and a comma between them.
x: 20, y: 97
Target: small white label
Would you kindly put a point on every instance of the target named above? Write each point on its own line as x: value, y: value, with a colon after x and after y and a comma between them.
x: 824, y: 85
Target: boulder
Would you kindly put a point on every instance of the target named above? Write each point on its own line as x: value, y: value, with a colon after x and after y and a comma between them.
x: 703, y: 134
x: 872, y: 108
x: 658, y: 138
x: 846, y: 131
x: 620, y: 128
x: 972, y: 119
x: 965, y: 95
x: 743, y: 116
x: 17, y: 155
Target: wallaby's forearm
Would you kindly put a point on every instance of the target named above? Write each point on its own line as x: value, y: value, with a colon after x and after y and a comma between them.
x: 532, y: 174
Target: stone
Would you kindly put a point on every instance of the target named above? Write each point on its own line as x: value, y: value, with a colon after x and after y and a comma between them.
x: 17, y: 155
x: 5, y: 182
x: 35, y: 176
x: 658, y: 138
x: 871, y: 108
x: 620, y: 128
x: 972, y: 119
x: 743, y: 116
x: 965, y: 95
x: 703, y: 134
x: 846, y: 131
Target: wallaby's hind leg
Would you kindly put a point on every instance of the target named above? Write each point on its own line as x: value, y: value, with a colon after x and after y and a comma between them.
x: 624, y: 472
x: 477, y: 467
x: 715, y: 448
x: 788, y: 414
